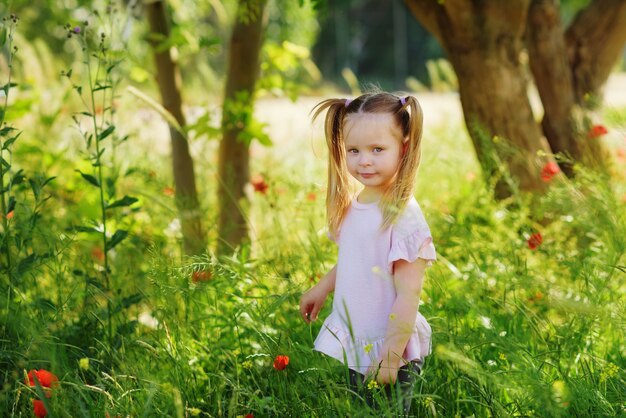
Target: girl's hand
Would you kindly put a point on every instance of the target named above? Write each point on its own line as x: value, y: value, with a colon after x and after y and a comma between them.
x: 383, y: 371
x: 311, y: 303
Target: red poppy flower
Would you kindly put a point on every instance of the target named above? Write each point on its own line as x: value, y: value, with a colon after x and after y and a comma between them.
x: 249, y: 416
x: 549, y: 170
x: 39, y: 408
x: 10, y: 215
x: 281, y: 362
x: 259, y: 184
x: 201, y: 276
x: 46, y: 378
x: 534, y: 241
x: 97, y: 253
x: 597, y: 131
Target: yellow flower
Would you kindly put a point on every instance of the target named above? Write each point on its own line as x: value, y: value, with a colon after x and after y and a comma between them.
x: 609, y: 371
x: 368, y: 348
x: 247, y: 364
x: 372, y: 384
x: 392, y: 316
x: 502, y: 356
x: 83, y: 363
x: 194, y: 412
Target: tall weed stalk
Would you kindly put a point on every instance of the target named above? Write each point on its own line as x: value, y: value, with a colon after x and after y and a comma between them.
x: 96, y: 126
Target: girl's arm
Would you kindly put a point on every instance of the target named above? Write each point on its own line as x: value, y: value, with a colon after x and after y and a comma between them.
x: 408, y: 280
x: 312, y: 301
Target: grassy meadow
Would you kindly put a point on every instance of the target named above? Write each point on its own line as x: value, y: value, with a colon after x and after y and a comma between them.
x: 100, y: 295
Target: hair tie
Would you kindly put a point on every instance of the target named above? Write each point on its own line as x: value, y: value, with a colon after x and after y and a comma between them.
x: 348, y: 101
x: 403, y: 100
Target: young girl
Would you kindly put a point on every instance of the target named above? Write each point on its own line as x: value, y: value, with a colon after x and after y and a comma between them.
x: 384, y: 242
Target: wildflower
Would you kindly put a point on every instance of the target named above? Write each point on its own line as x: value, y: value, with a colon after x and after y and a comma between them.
x: 609, y: 371
x: 168, y: 191
x: 372, y: 384
x: 502, y: 356
x: 428, y: 401
x: 39, y: 409
x: 76, y: 30
x: 597, y: 131
x: 97, y: 253
x: 534, y: 241
x: 83, y: 363
x: 249, y: 415
x: 549, y: 170
x: 537, y: 296
x: 46, y: 379
x: 491, y: 363
x: 201, y: 276
x: 259, y: 184
x: 247, y: 364
x: 311, y: 196
x: 281, y: 362
x: 194, y: 412
x: 10, y: 215
x: 368, y: 348
x: 392, y: 316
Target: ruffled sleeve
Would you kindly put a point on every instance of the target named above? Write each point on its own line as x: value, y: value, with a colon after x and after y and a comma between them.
x: 411, y: 238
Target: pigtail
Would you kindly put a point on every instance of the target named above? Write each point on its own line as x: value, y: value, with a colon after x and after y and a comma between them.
x: 337, y: 192
x: 397, y: 196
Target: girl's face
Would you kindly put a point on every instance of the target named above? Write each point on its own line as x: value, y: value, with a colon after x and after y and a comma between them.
x: 373, y: 146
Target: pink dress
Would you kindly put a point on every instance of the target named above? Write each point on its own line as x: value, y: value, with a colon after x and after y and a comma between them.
x: 364, y: 291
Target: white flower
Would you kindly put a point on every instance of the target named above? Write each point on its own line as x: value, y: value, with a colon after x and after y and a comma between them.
x: 486, y: 321
x: 173, y: 230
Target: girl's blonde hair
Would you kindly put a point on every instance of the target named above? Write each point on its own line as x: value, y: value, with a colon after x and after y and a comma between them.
x: 408, y: 118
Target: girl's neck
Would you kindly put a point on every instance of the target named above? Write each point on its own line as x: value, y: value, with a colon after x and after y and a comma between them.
x: 369, y: 196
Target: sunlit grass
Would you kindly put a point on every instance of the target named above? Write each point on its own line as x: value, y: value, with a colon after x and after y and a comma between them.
x: 517, y: 332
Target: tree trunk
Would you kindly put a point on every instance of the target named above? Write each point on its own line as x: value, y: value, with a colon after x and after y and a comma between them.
x: 234, y: 171
x: 595, y: 40
x: 553, y: 78
x: 168, y: 79
x: 570, y: 70
x: 483, y: 40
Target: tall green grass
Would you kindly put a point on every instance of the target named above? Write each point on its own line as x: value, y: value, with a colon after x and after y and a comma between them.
x: 517, y: 331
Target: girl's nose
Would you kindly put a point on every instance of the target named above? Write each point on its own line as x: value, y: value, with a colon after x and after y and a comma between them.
x: 364, y: 159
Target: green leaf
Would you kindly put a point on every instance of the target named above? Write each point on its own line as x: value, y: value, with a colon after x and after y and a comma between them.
x: 6, y: 88
x: 131, y: 300
x: 6, y: 130
x: 118, y: 237
x: 108, y: 131
x: 99, y: 87
x: 91, y: 179
x: 9, y: 141
x: 125, y: 201
x: 11, y: 204
x: 26, y: 263
x: 18, y: 178
x: 88, y: 229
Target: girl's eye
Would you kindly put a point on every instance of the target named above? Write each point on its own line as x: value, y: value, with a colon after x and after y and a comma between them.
x: 378, y: 149
x: 352, y: 151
